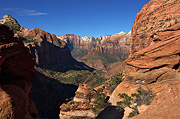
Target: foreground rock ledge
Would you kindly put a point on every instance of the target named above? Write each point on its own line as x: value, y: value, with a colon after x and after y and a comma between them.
x: 17, y: 76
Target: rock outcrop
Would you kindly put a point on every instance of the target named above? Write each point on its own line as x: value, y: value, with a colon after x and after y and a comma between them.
x: 154, y: 60
x: 154, y: 17
x: 17, y: 75
x: 80, y: 106
x: 159, y: 61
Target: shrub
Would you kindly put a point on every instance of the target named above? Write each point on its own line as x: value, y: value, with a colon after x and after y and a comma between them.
x: 13, y: 25
x: 136, y: 99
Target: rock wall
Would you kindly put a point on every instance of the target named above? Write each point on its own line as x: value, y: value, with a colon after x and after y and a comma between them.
x: 159, y: 61
x: 154, y: 60
x: 48, y: 51
x: 17, y: 76
x: 77, y: 42
x: 113, y: 44
x: 154, y: 17
x: 46, y: 48
x: 117, y: 43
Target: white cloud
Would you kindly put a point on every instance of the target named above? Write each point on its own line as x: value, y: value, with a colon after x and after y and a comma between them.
x: 26, y: 12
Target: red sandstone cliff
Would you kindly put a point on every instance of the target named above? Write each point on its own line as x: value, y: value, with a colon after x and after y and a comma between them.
x: 46, y: 48
x: 155, y: 60
x: 17, y: 76
x: 48, y: 51
x: 112, y: 49
x: 117, y: 43
x: 154, y: 17
x: 77, y: 42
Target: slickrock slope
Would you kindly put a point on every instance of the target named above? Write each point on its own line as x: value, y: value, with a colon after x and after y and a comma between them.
x: 154, y: 17
x: 159, y: 61
x: 153, y: 66
x: 165, y: 105
x: 80, y: 106
x: 17, y: 76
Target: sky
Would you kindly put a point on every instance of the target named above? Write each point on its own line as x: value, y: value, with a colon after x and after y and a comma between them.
x: 79, y: 17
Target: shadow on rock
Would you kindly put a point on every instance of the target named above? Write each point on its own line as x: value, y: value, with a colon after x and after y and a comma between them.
x: 48, y: 94
x: 111, y: 112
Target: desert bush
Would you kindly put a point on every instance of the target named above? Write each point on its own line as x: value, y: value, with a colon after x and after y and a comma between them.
x: 136, y: 99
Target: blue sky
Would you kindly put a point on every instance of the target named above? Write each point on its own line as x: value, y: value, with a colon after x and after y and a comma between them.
x: 80, y: 17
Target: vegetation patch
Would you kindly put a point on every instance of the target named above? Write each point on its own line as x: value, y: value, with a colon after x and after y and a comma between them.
x: 136, y: 99
x: 100, y: 101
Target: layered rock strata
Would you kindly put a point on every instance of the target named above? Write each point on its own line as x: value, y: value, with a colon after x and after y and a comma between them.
x: 159, y: 61
x: 80, y: 106
x: 17, y: 76
x: 154, y: 60
x: 154, y: 17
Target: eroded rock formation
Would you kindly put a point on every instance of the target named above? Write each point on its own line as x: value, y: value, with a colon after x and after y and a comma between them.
x: 154, y: 17
x: 80, y: 106
x: 154, y: 60
x: 17, y: 75
x: 159, y: 61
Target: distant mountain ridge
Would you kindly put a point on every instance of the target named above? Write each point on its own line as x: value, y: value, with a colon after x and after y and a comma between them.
x: 84, y: 48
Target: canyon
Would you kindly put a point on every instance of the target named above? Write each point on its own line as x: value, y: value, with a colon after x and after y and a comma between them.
x: 101, y: 52
x: 153, y: 62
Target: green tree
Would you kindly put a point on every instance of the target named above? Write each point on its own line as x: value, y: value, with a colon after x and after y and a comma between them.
x: 115, y: 81
x: 100, y: 101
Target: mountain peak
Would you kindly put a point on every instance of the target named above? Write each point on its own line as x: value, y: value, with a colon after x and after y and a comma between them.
x: 122, y: 32
x: 7, y: 16
x: 11, y: 22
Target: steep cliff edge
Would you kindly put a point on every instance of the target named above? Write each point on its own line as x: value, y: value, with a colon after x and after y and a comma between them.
x: 17, y: 75
x: 48, y: 51
x: 154, y: 17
